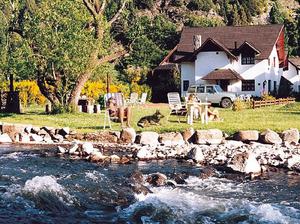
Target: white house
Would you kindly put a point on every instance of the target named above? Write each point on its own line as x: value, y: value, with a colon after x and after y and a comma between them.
x: 242, y: 59
x: 293, y: 73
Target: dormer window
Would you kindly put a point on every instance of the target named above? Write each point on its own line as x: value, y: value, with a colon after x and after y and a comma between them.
x: 248, y: 58
x: 248, y: 53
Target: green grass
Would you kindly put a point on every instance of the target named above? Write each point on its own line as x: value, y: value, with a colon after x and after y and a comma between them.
x: 277, y: 118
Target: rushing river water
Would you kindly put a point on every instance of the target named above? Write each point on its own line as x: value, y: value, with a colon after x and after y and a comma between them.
x: 44, y: 189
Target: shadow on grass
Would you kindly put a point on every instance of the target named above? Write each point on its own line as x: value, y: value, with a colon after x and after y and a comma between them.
x: 3, y: 115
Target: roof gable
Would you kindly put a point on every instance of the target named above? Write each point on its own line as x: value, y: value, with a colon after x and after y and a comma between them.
x: 263, y: 37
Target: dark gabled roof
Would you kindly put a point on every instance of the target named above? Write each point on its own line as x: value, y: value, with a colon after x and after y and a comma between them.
x: 249, y: 45
x: 295, y: 61
x: 217, y: 43
x: 221, y: 74
x: 263, y: 37
x: 167, y: 66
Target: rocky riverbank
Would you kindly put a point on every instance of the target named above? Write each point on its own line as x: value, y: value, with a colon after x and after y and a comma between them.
x: 248, y: 152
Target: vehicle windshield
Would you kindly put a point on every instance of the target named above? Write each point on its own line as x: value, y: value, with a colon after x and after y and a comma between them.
x: 218, y: 89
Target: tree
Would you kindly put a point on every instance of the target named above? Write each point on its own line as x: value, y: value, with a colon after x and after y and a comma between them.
x: 68, y: 40
x: 275, y: 15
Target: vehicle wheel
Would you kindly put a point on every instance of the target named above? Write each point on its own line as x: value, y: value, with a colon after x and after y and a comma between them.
x: 226, y: 103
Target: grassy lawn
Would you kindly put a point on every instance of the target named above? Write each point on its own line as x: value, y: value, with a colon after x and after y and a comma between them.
x: 277, y: 118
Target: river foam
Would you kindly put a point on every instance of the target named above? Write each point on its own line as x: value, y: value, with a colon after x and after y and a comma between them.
x: 193, y: 206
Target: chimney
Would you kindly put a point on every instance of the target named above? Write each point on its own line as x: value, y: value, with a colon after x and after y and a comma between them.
x: 197, y: 41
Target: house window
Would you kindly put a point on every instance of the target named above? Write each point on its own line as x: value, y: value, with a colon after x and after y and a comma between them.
x: 275, y: 87
x: 269, y: 86
x: 248, y: 59
x: 248, y: 85
x: 274, y: 61
x: 186, y: 84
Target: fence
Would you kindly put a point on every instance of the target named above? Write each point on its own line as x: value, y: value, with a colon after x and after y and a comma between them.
x: 265, y: 103
x: 10, y: 102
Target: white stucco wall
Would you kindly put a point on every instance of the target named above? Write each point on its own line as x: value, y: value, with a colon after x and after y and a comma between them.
x: 206, y: 62
x: 187, y: 73
x: 260, y: 71
x: 293, y: 75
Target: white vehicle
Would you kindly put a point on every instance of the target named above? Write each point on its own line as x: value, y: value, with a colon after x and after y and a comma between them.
x: 212, y: 93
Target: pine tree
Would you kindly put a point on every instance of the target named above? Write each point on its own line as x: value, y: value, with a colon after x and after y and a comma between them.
x: 275, y: 15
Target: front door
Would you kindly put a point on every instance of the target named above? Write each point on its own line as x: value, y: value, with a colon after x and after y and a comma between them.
x: 224, y: 83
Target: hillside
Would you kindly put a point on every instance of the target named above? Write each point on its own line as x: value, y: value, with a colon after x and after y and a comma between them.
x: 174, y: 14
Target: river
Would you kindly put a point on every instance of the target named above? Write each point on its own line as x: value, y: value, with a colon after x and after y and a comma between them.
x: 38, y: 188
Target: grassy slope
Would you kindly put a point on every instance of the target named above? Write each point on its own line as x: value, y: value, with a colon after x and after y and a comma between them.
x: 277, y: 118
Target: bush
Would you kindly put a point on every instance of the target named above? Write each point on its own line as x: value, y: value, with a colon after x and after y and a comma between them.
x: 204, y: 5
x: 239, y: 105
x: 266, y: 96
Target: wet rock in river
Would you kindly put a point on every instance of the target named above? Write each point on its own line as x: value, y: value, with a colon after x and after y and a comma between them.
x: 270, y: 137
x: 291, y: 135
x: 61, y: 150
x: 157, y: 179
x: 115, y: 159
x: 73, y: 149
x: 196, y: 154
x: 137, y: 177
x: 245, y: 162
x: 207, y: 172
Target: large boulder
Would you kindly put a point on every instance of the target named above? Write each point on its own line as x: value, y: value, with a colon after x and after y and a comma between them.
x: 4, y: 138
x: 188, y: 134
x: 157, y: 179
x: 128, y: 135
x: 196, y: 154
x: 148, y: 138
x: 270, y: 137
x: 291, y: 135
x: 247, y: 136
x: 171, y: 138
x: 245, y: 163
x: 211, y: 136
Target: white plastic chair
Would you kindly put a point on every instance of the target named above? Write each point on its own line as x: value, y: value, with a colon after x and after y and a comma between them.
x: 175, y: 105
x: 143, y: 99
x: 133, y: 99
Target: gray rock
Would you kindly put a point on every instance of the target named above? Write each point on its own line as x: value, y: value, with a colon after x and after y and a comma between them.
x: 291, y: 135
x: 246, y: 136
x: 73, y: 149
x: 28, y: 129
x: 144, y: 153
x: 196, y: 154
x: 36, y: 138
x: 294, y: 162
x: 245, y: 163
x: 115, y: 159
x: 64, y: 131
x: 148, y: 138
x: 211, y: 136
x: 57, y: 138
x: 47, y: 138
x: 171, y: 138
x: 233, y: 144
x: 128, y: 135
x: 35, y: 130
x: 270, y: 137
x: 43, y: 132
x: 88, y: 148
x: 4, y: 138
x: 24, y: 138
x: 188, y: 135
x: 61, y: 150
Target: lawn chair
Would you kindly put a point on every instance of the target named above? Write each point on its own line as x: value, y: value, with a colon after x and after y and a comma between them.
x: 133, y: 99
x: 120, y: 102
x: 175, y: 105
x: 143, y: 99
